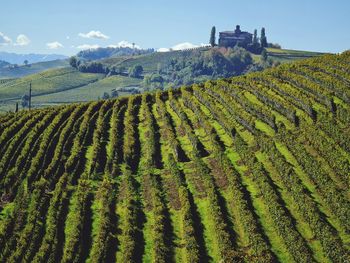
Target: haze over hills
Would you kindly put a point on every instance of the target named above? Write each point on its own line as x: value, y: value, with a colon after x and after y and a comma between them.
x: 252, y: 168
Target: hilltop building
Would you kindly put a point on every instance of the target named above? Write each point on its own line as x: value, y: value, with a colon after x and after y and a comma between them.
x: 232, y: 38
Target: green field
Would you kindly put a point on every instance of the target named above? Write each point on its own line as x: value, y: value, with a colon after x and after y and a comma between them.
x: 46, y: 82
x: 286, y: 55
x: 88, y: 92
x: 247, y: 169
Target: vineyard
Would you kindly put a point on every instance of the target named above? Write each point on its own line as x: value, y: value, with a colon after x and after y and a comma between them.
x: 248, y: 169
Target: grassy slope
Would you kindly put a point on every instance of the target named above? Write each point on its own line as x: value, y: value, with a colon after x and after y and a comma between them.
x: 46, y: 82
x: 88, y: 92
x: 288, y: 55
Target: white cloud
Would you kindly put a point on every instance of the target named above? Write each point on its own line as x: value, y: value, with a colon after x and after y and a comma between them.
x: 22, y: 40
x: 87, y: 46
x: 185, y: 45
x: 163, y: 49
x: 125, y: 43
x: 94, y: 34
x: 54, y: 45
x: 67, y: 37
x: 181, y: 46
x: 4, y: 40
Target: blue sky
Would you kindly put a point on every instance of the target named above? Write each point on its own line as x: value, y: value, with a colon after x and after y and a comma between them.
x: 43, y: 26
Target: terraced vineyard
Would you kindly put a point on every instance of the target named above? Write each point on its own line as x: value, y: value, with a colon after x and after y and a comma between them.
x: 254, y: 168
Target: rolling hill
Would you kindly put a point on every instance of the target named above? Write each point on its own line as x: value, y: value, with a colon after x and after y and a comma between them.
x: 22, y: 71
x: 62, y: 84
x: 247, y: 169
x: 57, y: 86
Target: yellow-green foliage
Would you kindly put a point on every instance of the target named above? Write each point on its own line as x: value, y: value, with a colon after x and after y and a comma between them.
x: 248, y: 169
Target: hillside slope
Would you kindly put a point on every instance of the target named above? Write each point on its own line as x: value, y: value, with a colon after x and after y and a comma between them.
x: 252, y: 168
x: 78, y: 87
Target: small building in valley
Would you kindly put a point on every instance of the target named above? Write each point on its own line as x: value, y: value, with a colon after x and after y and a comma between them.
x: 233, y: 38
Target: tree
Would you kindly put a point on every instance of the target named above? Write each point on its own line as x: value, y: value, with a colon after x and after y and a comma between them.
x: 212, y: 36
x: 73, y: 62
x: 135, y: 71
x: 263, y: 39
x: 93, y: 67
x: 114, y: 93
x: 26, y: 62
x: 105, y: 96
x: 255, y: 37
x: 25, y: 101
x: 264, y: 55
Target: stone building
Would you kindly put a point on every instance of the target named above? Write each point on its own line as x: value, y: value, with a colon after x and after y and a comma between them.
x: 232, y: 38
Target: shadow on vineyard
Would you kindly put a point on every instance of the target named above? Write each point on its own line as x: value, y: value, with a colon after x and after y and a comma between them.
x: 248, y: 169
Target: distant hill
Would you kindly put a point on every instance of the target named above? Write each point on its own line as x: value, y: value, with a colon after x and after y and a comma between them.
x: 11, y: 71
x: 4, y: 63
x: 15, y: 58
x: 252, y: 169
x: 101, y: 53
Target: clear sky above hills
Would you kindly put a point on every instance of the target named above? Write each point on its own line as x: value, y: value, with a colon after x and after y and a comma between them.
x: 66, y: 26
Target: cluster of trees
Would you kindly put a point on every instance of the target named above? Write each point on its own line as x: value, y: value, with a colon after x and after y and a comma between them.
x: 196, y: 66
x: 100, y: 53
x: 98, y: 67
x: 114, y: 94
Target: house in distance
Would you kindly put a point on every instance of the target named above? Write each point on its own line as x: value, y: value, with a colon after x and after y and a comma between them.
x: 233, y: 38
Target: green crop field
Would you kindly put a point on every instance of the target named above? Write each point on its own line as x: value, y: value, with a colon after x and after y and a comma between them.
x: 88, y: 92
x: 46, y: 82
x: 53, y: 82
x: 286, y: 55
x: 247, y: 169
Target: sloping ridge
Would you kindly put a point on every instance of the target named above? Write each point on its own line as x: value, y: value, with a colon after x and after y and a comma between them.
x: 253, y: 168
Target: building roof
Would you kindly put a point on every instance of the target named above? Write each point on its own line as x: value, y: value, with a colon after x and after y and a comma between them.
x: 234, y: 33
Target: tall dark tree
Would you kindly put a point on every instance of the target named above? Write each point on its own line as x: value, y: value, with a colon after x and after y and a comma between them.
x: 25, y: 101
x: 255, y: 37
x: 26, y: 62
x: 263, y: 39
x: 105, y: 96
x: 212, y: 36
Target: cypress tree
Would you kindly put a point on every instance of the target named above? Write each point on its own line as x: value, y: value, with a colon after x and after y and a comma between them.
x: 212, y: 36
x: 263, y: 40
x: 255, y: 37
